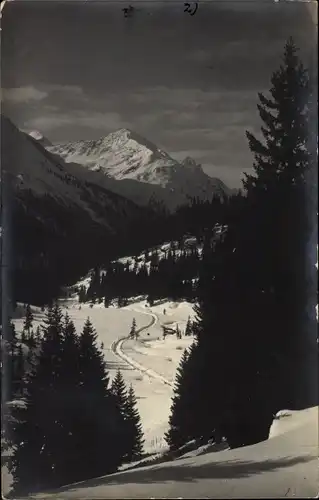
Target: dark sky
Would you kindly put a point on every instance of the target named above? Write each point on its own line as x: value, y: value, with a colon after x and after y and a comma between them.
x: 80, y: 70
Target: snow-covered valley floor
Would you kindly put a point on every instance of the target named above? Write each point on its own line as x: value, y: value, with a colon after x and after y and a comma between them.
x: 153, y: 394
x: 284, y: 466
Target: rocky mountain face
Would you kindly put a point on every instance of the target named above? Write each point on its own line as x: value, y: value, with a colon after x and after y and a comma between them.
x: 144, y: 171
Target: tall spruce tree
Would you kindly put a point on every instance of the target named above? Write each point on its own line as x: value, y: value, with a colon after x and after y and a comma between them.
x: 99, y: 425
x: 69, y: 402
x: 254, y: 288
x: 36, y: 434
x: 135, y: 431
x: 282, y: 199
x: 186, y: 424
x: 12, y: 337
x: 70, y: 353
x: 132, y: 434
x: 70, y: 426
x: 28, y: 321
x: 119, y: 392
x: 19, y: 373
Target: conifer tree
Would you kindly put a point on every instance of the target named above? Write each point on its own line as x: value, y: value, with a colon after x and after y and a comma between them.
x: 23, y: 337
x: 188, y: 330
x: 256, y: 272
x: 184, y: 421
x: 82, y: 294
x: 150, y: 298
x: 100, y: 424
x: 120, y: 301
x: 27, y: 325
x: 70, y: 354
x: 107, y: 300
x: 283, y: 156
x: 70, y: 426
x: 37, y: 430
x: 12, y: 338
x: 38, y: 335
x: 135, y: 432
x: 133, y: 329
x: 69, y: 402
x: 178, y: 332
x: 94, y: 289
x: 19, y: 372
x: 32, y: 340
x: 31, y: 356
x: 118, y: 390
x: 9, y: 352
x: 92, y: 364
x: 282, y: 201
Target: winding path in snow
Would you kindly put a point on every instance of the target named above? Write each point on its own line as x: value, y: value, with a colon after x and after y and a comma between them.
x: 116, y: 348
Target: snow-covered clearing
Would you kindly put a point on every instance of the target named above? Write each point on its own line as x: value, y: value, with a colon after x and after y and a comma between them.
x: 112, y: 324
x: 147, y: 374
x: 284, y: 466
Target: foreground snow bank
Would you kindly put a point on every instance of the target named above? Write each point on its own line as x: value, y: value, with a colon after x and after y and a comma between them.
x: 288, y: 420
x: 284, y: 466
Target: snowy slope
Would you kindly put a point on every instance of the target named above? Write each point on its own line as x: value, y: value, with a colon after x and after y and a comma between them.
x: 284, y: 466
x: 125, y: 155
x: 34, y: 169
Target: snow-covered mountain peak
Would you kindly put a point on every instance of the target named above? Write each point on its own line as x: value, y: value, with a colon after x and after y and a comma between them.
x: 124, y: 155
x: 131, y: 140
x: 37, y: 136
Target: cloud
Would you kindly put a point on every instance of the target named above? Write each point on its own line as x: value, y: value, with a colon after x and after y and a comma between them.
x: 26, y: 94
x: 93, y: 120
x: 72, y: 89
x: 23, y: 94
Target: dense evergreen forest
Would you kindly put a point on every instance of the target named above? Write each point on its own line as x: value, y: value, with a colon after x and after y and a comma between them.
x: 172, y: 270
x: 256, y: 347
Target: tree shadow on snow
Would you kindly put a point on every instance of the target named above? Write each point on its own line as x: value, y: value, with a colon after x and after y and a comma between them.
x: 191, y: 473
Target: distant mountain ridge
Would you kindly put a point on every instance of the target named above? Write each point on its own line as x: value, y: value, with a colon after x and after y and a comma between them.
x: 61, y: 222
x: 126, y: 156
